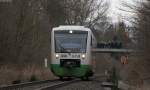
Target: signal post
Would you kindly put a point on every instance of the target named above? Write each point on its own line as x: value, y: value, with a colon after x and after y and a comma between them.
x: 123, y: 59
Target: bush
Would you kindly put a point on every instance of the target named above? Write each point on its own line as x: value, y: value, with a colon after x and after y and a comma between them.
x: 33, y: 78
x: 16, y: 81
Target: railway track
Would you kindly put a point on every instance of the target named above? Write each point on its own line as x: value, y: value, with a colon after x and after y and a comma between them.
x: 42, y: 85
x: 38, y: 85
x: 58, y: 85
x: 24, y: 86
x: 62, y: 84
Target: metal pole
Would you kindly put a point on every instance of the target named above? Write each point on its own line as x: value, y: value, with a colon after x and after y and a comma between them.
x: 45, y: 63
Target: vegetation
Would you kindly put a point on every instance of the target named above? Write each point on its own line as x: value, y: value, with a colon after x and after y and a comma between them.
x: 143, y: 36
x: 138, y: 68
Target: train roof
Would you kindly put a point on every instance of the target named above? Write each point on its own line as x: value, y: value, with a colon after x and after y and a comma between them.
x: 71, y: 27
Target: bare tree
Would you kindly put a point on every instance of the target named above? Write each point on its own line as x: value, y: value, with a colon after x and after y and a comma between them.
x: 143, y: 29
x: 142, y: 34
x: 84, y: 12
x: 24, y: 32
x: 55, y: 11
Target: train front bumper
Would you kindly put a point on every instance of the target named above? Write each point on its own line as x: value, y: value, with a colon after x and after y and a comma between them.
x: 75, y: 71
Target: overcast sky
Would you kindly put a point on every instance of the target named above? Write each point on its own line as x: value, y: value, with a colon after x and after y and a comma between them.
x: 114, y: 11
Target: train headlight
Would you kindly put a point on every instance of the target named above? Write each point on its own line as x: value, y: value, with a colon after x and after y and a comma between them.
x: 70, y: 31
x: 57, y: 56
x: 83, y: 56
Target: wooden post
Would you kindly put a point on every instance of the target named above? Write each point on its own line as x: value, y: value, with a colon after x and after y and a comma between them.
x: 45, y: 63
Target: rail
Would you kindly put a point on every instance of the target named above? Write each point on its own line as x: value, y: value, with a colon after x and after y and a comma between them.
x: 22, y: 85
x: 44, y: 85
x: 57, y: 85
x: 62, y: 84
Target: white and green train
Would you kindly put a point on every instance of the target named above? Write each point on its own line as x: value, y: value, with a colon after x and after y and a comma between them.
x: 71, y: 54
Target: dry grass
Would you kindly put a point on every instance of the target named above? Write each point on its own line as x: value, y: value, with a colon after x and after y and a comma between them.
x: 133, y: 74
x: 10, y: 73
x: 7, y: 75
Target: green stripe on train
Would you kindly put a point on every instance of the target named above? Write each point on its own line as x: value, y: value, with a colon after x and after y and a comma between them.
x: 77, y: 72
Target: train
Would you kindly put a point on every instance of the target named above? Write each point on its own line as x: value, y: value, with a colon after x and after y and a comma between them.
x: 71, y: 54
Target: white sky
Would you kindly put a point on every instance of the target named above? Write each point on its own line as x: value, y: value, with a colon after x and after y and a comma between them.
x: 114, y: 11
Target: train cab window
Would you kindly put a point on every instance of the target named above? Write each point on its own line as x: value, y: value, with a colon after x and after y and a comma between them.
x: 70, y: 42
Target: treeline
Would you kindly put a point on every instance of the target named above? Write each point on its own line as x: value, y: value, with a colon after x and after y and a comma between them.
x: 116, y: 35
x: 25, y: 26
x: 143, y: 34
x: 144, y: 27
x: 24, y: 32
x: 141, y: 21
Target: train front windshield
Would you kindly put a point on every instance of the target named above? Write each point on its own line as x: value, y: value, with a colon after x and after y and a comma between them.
x: 69, y: 41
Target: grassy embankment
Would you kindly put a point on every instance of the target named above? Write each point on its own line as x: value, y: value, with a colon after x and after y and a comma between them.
x: 10, y: 74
